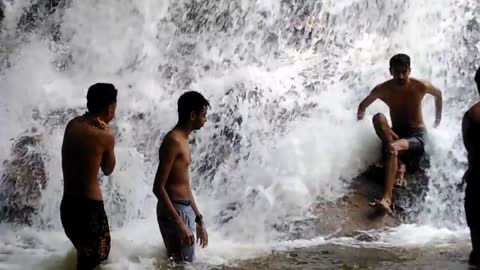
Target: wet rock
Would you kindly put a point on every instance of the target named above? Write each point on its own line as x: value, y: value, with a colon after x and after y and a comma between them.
x: 22, y: 180
x: 2, y: 8
x: 38, y: 12
x: 351, y: 215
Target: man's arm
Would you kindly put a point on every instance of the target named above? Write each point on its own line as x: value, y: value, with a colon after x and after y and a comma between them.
x: 202, y: 235
x: 108, y: 158
x: 374, y: 94
x: 467, y: 142
x: 466, y: 124
x: 195, y: 209
x: 432, y: 90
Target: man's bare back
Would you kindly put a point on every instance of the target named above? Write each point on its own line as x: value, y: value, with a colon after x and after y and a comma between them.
x: 86, y: 147
x: 471, y: 131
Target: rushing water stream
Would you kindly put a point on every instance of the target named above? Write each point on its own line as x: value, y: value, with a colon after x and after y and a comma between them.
x: 284, y: 79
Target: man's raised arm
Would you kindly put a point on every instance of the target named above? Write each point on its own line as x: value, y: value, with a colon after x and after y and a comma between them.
x: 432, y: 90
x: 374, y: 94
x: 108, y: 158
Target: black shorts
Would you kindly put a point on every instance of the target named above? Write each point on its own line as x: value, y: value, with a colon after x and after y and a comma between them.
x: 86, y: 225
x: 415, y: 138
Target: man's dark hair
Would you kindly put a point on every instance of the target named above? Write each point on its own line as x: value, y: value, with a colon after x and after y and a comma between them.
x: 99, y: 96
x: 191, y: 101
x: 400, y: 60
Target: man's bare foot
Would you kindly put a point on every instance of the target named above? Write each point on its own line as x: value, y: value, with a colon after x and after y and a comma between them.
x: 400, y: 180
x: 382, y: 205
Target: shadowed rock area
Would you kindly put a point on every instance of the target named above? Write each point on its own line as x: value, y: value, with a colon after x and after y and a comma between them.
x: 22, y: 180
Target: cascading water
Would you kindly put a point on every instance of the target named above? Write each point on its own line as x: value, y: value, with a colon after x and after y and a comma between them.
x: 284, y: 79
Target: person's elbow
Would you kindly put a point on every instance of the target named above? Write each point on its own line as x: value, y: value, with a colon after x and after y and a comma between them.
x: 107, y: 168
x: 107, y: 171
x: 157, y: 191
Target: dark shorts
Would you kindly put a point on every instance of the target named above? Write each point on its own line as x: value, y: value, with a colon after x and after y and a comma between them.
x: 472, y: 204
x: 415, y: 138
x: 86, y: 225
x: 170, y: 231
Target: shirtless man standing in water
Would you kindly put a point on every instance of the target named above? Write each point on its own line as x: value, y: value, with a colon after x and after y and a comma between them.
x: 471, y: 139
x: 88, y: 146
x: 403, y: 96
x: 177, y: 213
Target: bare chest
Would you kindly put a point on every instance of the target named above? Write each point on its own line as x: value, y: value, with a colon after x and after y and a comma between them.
x: 399, y: 101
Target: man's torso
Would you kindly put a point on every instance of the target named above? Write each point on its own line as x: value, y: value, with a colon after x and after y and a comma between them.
x: 405, y: 103
x: 178, y: 183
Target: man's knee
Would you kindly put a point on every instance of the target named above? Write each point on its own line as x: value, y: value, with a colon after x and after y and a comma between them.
x: 379, y: 119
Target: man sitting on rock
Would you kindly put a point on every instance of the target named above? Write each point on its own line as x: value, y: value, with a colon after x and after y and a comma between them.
x: 403, y: 95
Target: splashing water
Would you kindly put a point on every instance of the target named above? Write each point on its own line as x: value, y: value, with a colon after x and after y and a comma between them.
x: 284, y: 79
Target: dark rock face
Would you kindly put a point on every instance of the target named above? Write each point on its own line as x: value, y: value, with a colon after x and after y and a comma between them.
x: 22, y: 180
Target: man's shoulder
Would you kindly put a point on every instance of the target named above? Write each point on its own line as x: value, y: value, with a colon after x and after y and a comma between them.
x: 74, y: 125
x: 474, y: 113
x: 79, y: 125
x: 382, y: 87
x: 173, y: 137
x: 385, y: 85
x: 421, y: 84
x: 74, y: 121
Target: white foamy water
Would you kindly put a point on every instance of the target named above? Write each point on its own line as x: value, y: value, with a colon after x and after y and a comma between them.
x: 284, y: 79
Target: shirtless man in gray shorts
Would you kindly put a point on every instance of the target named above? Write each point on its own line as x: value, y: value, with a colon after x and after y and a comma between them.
x: 177, y: 213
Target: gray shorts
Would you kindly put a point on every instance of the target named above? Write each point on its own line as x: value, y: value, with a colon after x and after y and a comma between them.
x: 415, y: 138
x: 171, y: 233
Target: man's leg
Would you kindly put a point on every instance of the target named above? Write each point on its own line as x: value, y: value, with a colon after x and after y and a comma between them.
x: 392, y: 169
x: 394, y: 145
x: 400, y: 180
x: 383, y: 129
x: 474, y: 258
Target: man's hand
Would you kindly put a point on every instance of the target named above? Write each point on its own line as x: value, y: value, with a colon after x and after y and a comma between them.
x: 202, y: 236
x: 437, y: 122
x: 186, y: 237
x: 360, y: 115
